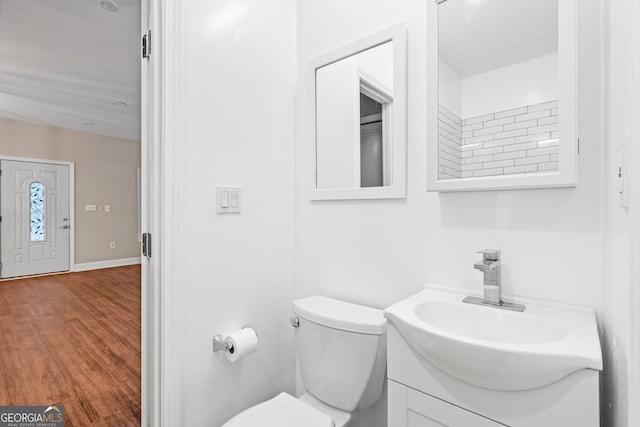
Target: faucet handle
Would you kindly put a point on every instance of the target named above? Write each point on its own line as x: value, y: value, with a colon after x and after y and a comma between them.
x: 490, y: 254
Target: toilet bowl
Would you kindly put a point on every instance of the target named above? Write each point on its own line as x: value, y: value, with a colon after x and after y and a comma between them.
x: 342, y: 356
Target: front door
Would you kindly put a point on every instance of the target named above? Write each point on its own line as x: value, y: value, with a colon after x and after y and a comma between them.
x: 35, y: 221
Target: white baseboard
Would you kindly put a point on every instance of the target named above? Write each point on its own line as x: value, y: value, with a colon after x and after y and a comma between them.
x: 106, y: 264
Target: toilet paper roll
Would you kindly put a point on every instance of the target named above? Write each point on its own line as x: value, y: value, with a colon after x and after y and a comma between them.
x: 241, y: 343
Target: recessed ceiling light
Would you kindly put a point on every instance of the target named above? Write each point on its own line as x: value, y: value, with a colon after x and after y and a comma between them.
x: 88, y: 124
x: 110, y: 5
x: 119, y: 104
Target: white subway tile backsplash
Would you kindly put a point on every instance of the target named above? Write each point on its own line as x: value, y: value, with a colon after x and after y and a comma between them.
x: 486, y: 131
x: 533, y: 115
x: 510, y: 155
x: 546, y: 128
x: 471, y: 167
x: 499, y: 142
x: 543, y: 106
x: 520, y: 146
x: 531, y: 160
x: 548, y: 120
x: 521, y: 169
x: 480, y: 138
x: 533, y: 137
x: 498, y: 164
x: 508, y: 134
x: 477, y: 159
x: 520, y: 125
x: 551, y: 166
x: 520, y: 140
x: 542, y: 151
x: 512, y: 112
x: 478, y: 119
x: 470, y: 147
x: 449, y: 161
x: 548, y: 143
x: 474, y: 126
x: 488, y: 172
x: 485, y: 151
x: 498, y: 122
x: 444, y: 148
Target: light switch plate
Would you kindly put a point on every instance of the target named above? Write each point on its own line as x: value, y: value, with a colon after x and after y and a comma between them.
x: 228, y: 199
x: 90, y: 208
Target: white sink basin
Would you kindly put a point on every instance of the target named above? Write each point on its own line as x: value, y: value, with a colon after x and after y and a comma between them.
x: 498, y: 349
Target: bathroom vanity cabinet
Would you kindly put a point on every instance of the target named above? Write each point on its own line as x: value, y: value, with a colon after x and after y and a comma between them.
x: 421, y: 395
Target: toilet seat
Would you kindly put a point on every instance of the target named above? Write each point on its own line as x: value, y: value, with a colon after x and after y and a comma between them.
x: 283, y: 410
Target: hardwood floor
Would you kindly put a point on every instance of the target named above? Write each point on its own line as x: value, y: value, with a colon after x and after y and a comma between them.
x: 74, y: 340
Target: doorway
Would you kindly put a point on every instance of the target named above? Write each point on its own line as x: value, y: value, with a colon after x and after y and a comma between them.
x: 35, y: 217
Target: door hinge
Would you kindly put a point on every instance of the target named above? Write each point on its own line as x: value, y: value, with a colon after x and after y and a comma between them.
x: 578, y: 146
x: 146, y: 244
x: 146, y: 45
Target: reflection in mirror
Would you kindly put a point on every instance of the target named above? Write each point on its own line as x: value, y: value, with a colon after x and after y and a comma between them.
x: 498, y: 90
x: 354, y: 102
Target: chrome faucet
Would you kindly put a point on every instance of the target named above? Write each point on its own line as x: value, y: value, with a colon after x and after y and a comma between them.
x: 490, y: 265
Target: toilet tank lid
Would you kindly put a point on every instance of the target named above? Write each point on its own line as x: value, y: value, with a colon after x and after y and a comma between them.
x: 341, y: 315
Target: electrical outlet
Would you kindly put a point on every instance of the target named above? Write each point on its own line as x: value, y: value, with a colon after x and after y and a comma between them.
x: 112, y: 245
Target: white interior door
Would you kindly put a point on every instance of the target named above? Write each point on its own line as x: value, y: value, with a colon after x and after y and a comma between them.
x: 35, y: 224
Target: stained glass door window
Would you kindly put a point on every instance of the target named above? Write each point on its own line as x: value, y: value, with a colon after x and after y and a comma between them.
x: 37, y: 227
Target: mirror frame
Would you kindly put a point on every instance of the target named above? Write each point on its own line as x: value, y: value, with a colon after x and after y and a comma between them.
x: 567, y: 173
x: 398, y: 161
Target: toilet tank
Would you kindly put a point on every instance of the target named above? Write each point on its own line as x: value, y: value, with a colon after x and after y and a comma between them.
x: 342, y: 351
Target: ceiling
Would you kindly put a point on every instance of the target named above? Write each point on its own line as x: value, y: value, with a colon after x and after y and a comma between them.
x: 476, y: 36
x: 71, y: 64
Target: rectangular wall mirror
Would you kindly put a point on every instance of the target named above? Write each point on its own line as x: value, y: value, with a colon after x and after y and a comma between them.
x: 358, y: 119
x: 502, y: 101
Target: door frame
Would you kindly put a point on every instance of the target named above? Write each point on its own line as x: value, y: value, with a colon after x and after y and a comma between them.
x: 162, y: 175
x: 72, y: 200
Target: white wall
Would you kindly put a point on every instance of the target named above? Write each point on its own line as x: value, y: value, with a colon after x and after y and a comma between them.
x: 338, y: 125
x: 525, y: 83
x: 378, y: 252
x: 378, y: 63
x: 620, y: 338
x: 238, y: 77
x: 449, y: 88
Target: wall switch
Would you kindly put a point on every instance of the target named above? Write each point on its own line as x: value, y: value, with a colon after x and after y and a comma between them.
x: 107, y: 208
x: 90, y: 208
x: 112, y: 245
x: 227, y: 199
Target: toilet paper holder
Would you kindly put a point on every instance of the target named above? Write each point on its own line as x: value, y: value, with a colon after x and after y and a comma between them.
x: 219, y: 343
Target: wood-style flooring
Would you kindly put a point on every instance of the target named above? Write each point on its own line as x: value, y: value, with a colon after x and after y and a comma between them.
x: 74, y: 340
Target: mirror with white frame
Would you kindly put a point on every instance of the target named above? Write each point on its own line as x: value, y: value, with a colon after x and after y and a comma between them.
x: 502, y: 110
x: 358, y: 119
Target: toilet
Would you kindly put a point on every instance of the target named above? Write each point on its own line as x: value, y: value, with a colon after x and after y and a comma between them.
x: 342, y: 355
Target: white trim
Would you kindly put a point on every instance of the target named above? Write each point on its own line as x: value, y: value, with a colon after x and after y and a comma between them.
x: 72, y: 199
x: 162, y: 174
x: 110, y: 263
x: 398, y: 189
x: 568, y: 85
